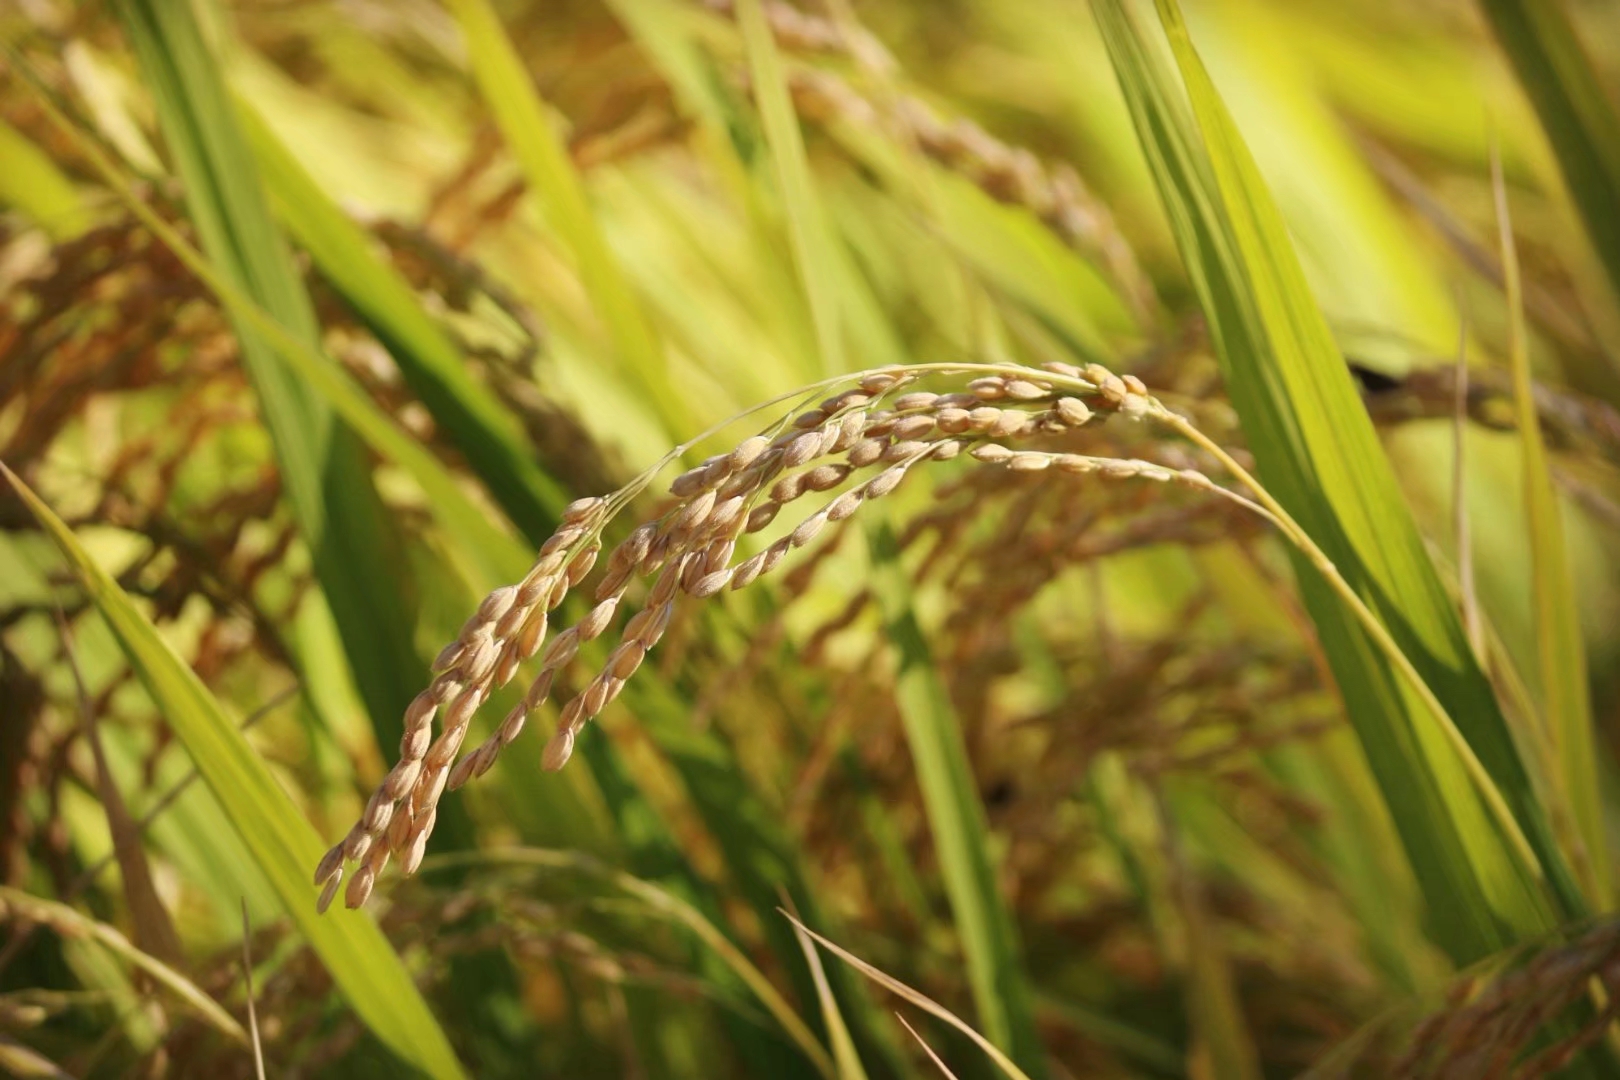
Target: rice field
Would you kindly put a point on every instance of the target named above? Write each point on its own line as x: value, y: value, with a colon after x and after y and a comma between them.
x: 850, y: 539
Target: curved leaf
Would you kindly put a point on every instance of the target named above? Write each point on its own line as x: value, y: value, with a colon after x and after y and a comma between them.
x: 268, y: 824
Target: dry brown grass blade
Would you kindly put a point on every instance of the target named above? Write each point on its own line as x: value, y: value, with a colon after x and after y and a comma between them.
x: 16, y: 905
x: 25, y: 1063
x: 929, y: 1050
x: 247, y: 982
x: 180, y: 787
x: 916, y: 997
x: 154, y: 930
x: 1459, y: 489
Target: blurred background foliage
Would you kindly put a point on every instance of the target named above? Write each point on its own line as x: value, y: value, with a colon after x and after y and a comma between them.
x: 317, y: 312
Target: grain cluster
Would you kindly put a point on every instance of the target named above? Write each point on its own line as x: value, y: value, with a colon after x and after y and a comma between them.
x: 853, y: 447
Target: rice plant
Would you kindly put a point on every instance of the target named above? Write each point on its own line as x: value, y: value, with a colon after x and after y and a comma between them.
x: 825, y: 539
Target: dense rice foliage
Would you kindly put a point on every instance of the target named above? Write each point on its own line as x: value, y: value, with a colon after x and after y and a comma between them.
x: 843, y: 539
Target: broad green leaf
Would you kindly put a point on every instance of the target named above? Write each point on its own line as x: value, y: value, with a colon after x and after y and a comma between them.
x: 543, y: 155
x: 1576, y: 113
x: 760, y: 853
x: 1212, y: 1000
x: 31, y: 182
x: 956, y: 820
x: 807, y: 224
x: 267, y: 823
x: 652, y: 855
x: 484, y: 429
x: 1318, y: 455
x: 322, y: 465
x: 1561, y: 652
x: 324, y: 468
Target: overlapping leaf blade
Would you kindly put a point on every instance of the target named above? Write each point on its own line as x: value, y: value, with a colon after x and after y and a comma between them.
x: 1318, y: 454
x: 1577, y: 115
x: 322, y: 465
x: 543, y: 155
x: 483, y: 429
x: 957, y: 822
x: 266, y: 822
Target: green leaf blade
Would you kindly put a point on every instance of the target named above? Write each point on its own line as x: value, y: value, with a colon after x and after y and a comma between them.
x: 956, y: 819
x: 1319, y: 456
x: 481, y: 426
x: 1576, y: 114
x: 1561, y: 652
x: 268, y: 824
x: 552, y: 177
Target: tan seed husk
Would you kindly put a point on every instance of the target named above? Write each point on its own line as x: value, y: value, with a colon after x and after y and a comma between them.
x: 885, y: 482
x: 878, y: 423
x: 844, y: 506
x: 825, y: 477
x: 559, y: 748
x: 990, y: 388
x: 583, y: 510
x: 329, y: 891
x: 580, y: 565
x: 401, y: 778
x: 801, y: 449
x: 626, y: 659
x: 464, y: 770
x: 773, y: 555
x: 614, y: 582
x: 1073, y: 411
x: 865, y: 452
x: 747, y: 452
x: 747, y: 571
x: 414, y: 743
x: 718, y: 556
x: 788, y: 488
x: 912, y: 427
x: 495, y: 605
x: 850, y: 430
x: 807, y: 529
x: 560, y: 653
x: 597, y: 620
x: 539, y: 689
x: 692, y: 514
x: 919, y: 399
x: 331, y: 863
x: 360, y: 886
x: 411, y: 859
x: 709, y: 584
x: 1010, y: 423
x: 691, y: 482
x: 762, y: 516
x: 448, y: 656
